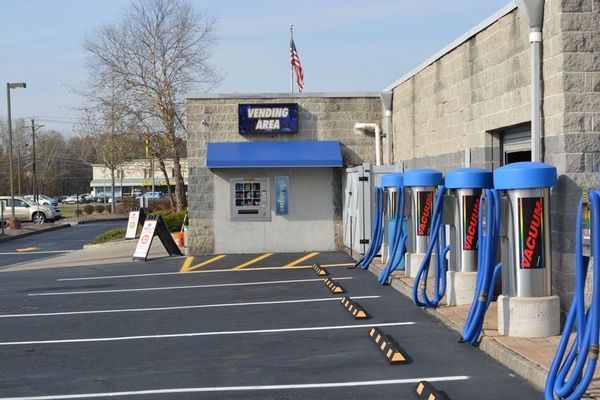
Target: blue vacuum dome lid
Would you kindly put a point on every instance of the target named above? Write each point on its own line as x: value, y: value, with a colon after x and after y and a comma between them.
x: 469, y: 178
x: 525, y: 175
x: 423, y: 177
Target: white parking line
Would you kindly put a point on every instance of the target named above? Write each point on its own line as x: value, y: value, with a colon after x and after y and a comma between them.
x: 204, y: 271
x: 248, y: 388
x: 124, y: 310
x: 182, y: 287
x: 22, y: 253
x: 195, y: 334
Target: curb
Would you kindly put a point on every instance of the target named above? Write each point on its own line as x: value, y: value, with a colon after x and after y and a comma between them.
x: 529, y: 371
x: 93, y: 221
x: 108, y: 244
x: 26, y: 234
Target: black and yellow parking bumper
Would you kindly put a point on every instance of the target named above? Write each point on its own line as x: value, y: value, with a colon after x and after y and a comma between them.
x: 334, y: 286
x: 354, y: 308
x: 320, y: 270
x: 388, y: 346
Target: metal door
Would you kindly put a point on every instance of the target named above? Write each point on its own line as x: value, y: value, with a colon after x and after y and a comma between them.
x: 352, y: 213
x: 359, y: 184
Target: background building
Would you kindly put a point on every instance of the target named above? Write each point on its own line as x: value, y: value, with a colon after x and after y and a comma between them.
x: 135, y: 177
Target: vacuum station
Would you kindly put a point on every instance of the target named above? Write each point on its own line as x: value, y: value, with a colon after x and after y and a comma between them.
x: 499, y: 248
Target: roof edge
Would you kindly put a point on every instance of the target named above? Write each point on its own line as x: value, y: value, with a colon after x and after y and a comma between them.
x: 454, y: 44
x: 202, y: 95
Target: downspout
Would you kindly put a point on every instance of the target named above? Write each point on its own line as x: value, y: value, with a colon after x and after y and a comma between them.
x: 535, y: 37
x: 386, y: 99
x: 360, y: 127
x: 533, y: 13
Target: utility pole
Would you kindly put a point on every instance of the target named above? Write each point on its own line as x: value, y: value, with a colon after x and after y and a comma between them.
x: 19, y: 168
x: 113, y: 205
x: 34, y: 173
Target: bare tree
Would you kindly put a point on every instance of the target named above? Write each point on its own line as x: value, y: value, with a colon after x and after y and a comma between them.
x: 155, y: 54
x: 112, y: 140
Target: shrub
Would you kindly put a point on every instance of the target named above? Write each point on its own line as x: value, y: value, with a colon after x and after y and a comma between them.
x: 162, y: 204
x: 99, y: 208
x: 88, y: 208
x: 127, y: 204
x: 172, y: 219
x: 111, y: 235
x: 78, y: 212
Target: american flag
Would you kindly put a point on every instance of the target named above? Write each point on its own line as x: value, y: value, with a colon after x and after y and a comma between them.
x: 295, y: 60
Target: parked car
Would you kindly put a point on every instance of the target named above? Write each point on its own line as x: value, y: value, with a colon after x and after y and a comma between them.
x: 43, y: 200
x: 27, y: 210
x: 73, y: 199
x: 150, y: 195
x: 48, y: 202
x: 117, y: 199
x: 101, y: 198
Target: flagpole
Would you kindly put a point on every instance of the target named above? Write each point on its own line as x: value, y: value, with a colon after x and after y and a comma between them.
x: 291, y: 64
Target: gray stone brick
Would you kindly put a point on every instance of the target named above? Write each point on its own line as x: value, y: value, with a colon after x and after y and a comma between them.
x: 582, y: 142
x: 575, y: 5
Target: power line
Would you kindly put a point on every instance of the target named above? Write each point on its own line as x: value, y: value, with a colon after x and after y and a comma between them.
x: 56, y: 117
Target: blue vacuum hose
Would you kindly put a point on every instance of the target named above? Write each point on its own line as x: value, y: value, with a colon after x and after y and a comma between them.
x: 437, y: 241
x: 487, y: 269
x: 580, y: 362
x: 377, y: 239
x: 398, y: 242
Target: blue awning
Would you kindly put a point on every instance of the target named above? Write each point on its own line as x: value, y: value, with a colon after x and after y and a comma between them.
x: 310, y: 153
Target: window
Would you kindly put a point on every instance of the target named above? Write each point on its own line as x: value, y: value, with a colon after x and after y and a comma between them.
x: 516, y: 144
x: 18, y: 203
x: 146, y: 173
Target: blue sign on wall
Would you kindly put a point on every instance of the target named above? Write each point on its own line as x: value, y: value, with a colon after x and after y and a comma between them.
x: 281, y: 194
x: 268, y: 118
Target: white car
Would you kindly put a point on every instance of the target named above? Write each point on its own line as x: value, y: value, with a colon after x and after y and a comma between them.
x: 44, y: 200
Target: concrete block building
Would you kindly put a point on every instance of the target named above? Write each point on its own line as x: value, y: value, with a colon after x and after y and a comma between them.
x: 314, y: 218
x: 470, y: 102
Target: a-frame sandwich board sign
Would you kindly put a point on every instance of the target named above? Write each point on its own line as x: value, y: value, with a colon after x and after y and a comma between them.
x: 155, y: 226
x: 137, y: 216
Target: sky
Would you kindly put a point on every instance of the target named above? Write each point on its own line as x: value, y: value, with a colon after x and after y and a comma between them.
x: 344, y: 45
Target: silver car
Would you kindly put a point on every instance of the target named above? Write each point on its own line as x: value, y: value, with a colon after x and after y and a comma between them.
x: 27, y: 210
x: 49, y: 202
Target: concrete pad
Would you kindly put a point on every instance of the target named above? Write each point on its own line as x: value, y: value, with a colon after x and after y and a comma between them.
x: 529, y: 317
x: 460, y: 287
x: 413, y: 263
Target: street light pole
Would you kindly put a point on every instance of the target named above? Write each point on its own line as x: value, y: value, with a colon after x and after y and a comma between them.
x: 10, y: 146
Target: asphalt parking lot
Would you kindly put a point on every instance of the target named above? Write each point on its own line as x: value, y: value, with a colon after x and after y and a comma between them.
x: 48, y: 244
x: 235, y: 326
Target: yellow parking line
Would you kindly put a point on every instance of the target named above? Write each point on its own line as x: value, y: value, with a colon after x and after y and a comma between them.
x: 25, y: 249
x: 298, y: 261
x: 185, y: 267
x: 202, y: 264
x: 257, y: 259
x: 270, y: 268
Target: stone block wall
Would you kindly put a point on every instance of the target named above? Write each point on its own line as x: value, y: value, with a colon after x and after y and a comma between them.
x: 481, y: 86
x: 452, y: 104
x: 573, y: 137
x: 320, y: 117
